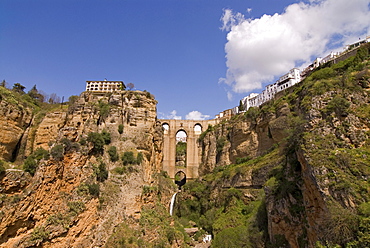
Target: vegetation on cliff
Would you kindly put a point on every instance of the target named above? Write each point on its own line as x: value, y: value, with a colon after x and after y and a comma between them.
x: 291, y: 173
x: 306, y: 184
x: 70, y: 191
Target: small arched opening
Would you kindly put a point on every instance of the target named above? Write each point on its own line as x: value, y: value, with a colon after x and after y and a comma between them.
x: 165, y: 127
x: 197, y: 129
x: 180, y: 179
x: 181, y: 148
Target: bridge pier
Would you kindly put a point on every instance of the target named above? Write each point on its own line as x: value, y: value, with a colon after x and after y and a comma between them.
x: 193, y: 158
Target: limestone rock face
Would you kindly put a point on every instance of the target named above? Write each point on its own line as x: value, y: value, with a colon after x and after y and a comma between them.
x: 243, y: 137
x: 324, y: 147
x: 48, y: 129
x: 14, y: 120
x: 58, y: 206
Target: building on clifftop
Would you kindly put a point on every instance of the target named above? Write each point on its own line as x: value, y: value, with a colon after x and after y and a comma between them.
x: 105, y: 86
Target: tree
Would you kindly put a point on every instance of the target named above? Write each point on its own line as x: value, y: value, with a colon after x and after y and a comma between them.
x: 17, y: 87
x: 106, y: 136
x: 30, y: 165
x: 101, y: 172
x: 57, y: 152
x: 72, y: 99
x: 339, y: 106
x: 3, y: 83
x: 34, y: 93
x: 112, y: 151
x: 104, y: 109
x: 241, y: 106
x: 122, y: 86
x: 128, y: 158
x: 54, y: 98
x: 130, y: 86
x: 98, y: 142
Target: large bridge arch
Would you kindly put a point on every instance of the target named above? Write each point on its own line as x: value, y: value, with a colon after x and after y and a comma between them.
x: 193, y: 129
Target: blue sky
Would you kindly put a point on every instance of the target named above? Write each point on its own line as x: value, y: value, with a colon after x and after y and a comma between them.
x: 196, y: 56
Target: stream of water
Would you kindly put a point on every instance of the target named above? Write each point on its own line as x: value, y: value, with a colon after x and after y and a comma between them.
x: 172, y: 203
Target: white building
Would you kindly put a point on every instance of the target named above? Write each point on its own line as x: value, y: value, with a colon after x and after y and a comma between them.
x: 293, y: 77
x: 246, y: 101
x: 284, y: 82
x: 105, y: 86
x: 289, y: 79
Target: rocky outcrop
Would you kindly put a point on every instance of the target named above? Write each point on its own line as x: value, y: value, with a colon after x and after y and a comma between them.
x: 64, y: 204
x: 313, y: 193
x: 243, y: 137
x: 15, y: 118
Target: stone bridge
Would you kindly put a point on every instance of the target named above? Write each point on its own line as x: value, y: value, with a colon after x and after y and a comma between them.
x: 193, y: 129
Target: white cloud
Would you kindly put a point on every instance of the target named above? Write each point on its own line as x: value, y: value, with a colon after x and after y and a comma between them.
x: 230, y: 96
x: 173, y: 115
x: 258, y: 50
x: 196, y: 115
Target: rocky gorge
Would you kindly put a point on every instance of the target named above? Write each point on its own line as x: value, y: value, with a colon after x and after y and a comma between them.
x: 291, y: 173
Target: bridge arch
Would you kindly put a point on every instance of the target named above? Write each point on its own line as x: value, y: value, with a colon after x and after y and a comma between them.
x: 198, y: 128
x: 180, y: 178
x: 193, y: 129
x: 165, y: 127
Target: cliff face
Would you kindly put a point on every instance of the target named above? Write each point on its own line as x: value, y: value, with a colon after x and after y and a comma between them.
x: 79, y: 193
x: 301, y: 159
x: 245, y: 136
x: 16, y: 116
x: 291, y: 173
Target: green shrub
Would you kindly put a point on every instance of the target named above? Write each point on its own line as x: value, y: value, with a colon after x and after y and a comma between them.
x: 242, y: 160
x: 57, y: 152
x: 128, y: 158
x: 39, y: 233
x: 83, y: 189
x: 234, y: 237
x: 180, y: 148
x: 252, y: 113
x: 120, y: 170
x: 82, y: 141
x: 220, y: 143
x: 72, y: 99
x: 106, y: 136
x: 139, y: 158
x: 2, y: 167
x: 101, y: 172
x: 98, y: 142
x: 40, y: 153
x: 324, y: 73
x: 69, y: 145
x: 339, y: 106
x: 120, y: 128
x: 113, y: 155
x: 364, y: 209
x: 30, y: 165
x: 76, y: 207
x: 103, y: 109
x: 59, y: 219
x: 94, y: 189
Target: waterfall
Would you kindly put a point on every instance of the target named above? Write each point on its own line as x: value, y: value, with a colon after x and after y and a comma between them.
x: 172, y: 203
